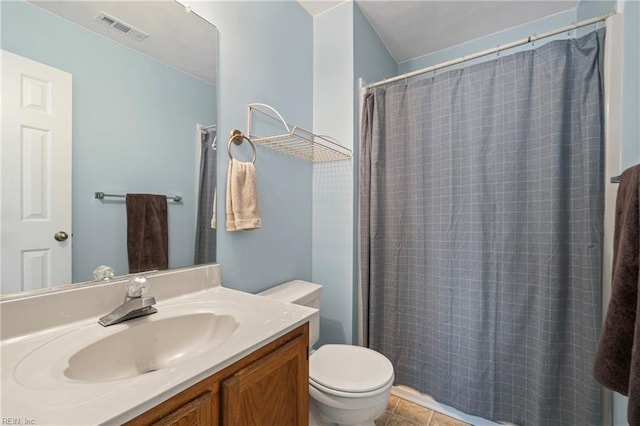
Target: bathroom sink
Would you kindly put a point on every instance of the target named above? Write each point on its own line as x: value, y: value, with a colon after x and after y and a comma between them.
x: 96, y: 354
x: 148, y: 346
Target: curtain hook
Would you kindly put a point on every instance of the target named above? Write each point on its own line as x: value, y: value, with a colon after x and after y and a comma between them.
x: 433, y: 77
x: 497, y: 52
x: 406, y: 80
x: 532, y: 40
x: 574, y: 30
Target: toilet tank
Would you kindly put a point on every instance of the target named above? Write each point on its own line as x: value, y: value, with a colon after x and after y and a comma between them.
x: 300, y: 293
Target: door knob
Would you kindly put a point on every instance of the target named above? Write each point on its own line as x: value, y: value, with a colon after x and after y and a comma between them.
x: 60, y: 236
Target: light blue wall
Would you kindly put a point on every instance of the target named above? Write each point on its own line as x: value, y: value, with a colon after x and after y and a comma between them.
x: 631, y: 84
x: 265, y: 55
x: 333, y: 83
x: 590, y: 9
x: 490, y: 41
x: 134, y: 130
x: 345, y: 49
x: 372, y: 61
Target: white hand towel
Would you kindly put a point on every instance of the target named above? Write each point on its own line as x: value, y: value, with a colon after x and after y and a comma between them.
x: 214, y: 210
x: 243, y: 208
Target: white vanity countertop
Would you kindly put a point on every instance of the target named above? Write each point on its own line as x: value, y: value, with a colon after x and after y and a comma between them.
x: 49, y: 398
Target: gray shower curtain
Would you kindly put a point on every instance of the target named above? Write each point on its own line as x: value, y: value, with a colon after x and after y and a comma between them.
x: 205, y: 246
x: 482, y: 204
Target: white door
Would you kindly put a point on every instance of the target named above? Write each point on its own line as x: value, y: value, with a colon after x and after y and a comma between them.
x: 35, y: 181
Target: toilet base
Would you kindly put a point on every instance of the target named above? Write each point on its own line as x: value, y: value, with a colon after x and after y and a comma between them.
x: 349, y: 411
x: 317, y: 419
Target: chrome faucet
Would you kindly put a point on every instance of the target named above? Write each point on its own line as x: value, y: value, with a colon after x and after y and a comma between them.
x: 134, y: 305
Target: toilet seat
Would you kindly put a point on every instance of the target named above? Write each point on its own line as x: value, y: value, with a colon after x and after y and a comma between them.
x: 349, y: 371
x: 334, y: 392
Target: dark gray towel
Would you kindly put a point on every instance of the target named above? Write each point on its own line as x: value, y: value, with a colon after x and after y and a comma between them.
x: 617, y: 364
x: 147, y: 232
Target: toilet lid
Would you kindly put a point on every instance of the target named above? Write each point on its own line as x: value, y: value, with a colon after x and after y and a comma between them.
x: 349, y: 368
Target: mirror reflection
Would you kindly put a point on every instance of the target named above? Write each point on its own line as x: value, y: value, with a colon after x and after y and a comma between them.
x: 112, y: 97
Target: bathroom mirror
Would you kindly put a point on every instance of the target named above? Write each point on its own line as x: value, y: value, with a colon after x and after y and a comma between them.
x: 142, y: 95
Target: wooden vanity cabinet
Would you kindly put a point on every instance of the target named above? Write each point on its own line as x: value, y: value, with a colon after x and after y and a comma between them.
x: 267, y: 387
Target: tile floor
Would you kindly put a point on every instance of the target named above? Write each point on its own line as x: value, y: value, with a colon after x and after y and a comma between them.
x: 401, y: 412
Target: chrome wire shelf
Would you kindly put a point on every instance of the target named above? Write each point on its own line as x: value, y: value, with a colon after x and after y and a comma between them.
x: 296, y: 141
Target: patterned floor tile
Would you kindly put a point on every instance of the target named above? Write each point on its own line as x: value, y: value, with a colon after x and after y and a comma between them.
x: 442, y: 420
x: 401, y: 412
x: 414, y: 412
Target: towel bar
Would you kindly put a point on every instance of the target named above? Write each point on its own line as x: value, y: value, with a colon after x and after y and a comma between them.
x: 102, y: 195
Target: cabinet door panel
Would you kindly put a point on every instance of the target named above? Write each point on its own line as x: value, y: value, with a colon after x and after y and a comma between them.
x: 271, y: 391
x: 197, y: 412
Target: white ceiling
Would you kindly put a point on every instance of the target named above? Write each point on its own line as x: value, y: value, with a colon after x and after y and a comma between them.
x: 414, y: 28
x: 316, y: 7
x: 408, y: 28
x: 180, y: 39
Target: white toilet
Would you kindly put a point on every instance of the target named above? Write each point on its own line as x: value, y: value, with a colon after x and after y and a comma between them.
x: 350, y: 385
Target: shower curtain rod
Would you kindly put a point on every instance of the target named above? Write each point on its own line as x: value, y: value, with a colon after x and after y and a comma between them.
x: 490, y: 51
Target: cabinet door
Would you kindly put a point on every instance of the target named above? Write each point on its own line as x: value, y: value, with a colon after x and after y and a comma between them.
x: 195, y: 406
x: 274, y: 390
x: 198, y: 412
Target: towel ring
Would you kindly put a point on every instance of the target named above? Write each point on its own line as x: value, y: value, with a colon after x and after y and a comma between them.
x: 237, y: 137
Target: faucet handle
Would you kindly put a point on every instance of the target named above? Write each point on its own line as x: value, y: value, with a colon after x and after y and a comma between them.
x: 137, y: 286
x: 103, y: 272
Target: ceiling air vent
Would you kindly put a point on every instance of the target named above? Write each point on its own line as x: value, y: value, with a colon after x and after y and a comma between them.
x: 121, y: 27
